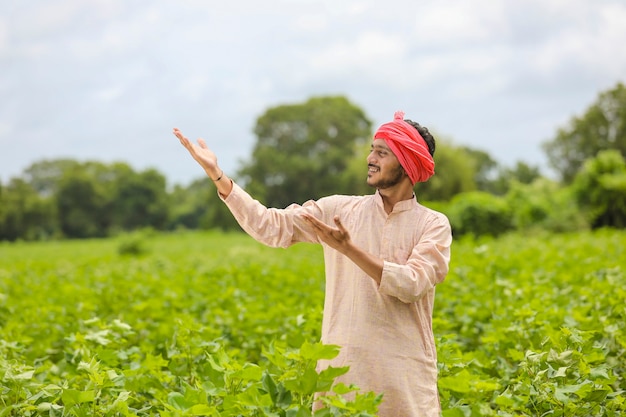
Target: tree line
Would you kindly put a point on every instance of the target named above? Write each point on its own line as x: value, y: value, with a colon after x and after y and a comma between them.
x: 316, y: 148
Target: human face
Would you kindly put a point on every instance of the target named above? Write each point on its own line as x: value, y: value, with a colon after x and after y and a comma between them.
x: 384, y: 170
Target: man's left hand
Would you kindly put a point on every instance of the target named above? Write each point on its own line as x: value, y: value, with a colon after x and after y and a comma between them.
x: 336, y: 237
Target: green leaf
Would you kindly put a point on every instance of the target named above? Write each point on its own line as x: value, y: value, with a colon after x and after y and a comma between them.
x: 202, y: 410
x: 249, y: 372
x: 599, y: 372
x: 99, y: 337
x: 5, y: 412
x: 563, y: 393
x: 214, y: 364
x: 453, y: 412
x: 304, y: 384
x: 178, y: 401
x: 284, y: 398
x: 327, y: 377
x: 562, y: 372
x: 270, y: 386
x: 154, y: 362
x: 303, y: 411
x: 461, y: 382
x: 23, y: 376
x: 72, y: 397
x: 343, y: 389
x: 318, y: 351
x: 332, y: 372
x: 597, y: 395
x: 505, y: 400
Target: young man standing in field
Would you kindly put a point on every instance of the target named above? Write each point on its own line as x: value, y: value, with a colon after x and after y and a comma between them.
x: 384, y: 254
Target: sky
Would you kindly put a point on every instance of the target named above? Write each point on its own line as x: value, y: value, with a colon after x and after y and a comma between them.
x: 107, y: 80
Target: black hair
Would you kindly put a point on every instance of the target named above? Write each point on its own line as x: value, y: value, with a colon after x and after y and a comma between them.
x: 424, y: 133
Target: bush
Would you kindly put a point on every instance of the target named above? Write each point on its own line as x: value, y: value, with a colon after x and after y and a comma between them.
x: 544, y: 205
x: 134, y: 243
x: 479, y: 213
x: 600, y: 189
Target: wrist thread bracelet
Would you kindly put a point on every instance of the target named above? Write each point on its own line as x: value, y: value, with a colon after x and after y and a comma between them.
x: 218, y: 178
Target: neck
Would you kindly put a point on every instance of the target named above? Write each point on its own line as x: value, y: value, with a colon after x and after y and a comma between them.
x: 393, y: 195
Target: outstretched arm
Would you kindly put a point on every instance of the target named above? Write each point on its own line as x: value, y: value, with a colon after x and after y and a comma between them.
x: 208, y: 161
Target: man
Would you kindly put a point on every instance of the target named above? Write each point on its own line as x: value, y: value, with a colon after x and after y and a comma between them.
x: 384, y: 254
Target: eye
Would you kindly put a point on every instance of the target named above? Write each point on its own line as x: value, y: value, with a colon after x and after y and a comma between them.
x: 378, y: 151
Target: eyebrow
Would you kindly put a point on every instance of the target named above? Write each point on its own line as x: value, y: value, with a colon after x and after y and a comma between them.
x: 381, y: 147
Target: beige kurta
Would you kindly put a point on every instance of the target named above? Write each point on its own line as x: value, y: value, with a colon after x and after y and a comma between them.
x: 385, y: 332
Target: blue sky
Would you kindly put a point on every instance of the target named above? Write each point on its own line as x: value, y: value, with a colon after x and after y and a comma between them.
x: 107, y: 80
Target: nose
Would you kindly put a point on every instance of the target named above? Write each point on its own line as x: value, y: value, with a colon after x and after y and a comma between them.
x: 371, y: 157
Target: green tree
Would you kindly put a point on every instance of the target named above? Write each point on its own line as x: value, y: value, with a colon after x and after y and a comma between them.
x: 484, y: 165
x: 44, y: 176
x: 216, y: 214
x: 185, y: 205
x: 600, y: 189
x: 81, y: 206
x: 603, y: 126
x: 507, y: 177
x: 23, y: 213
x: 544, y: 204
x: 140, y: 200
x: 303, y: 150
x: 199, y: 207
x: 455, y: 173
x: 478, y: 213
x: 83, y: 199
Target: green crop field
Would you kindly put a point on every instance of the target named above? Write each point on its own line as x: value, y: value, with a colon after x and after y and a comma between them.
x: 212, y: 324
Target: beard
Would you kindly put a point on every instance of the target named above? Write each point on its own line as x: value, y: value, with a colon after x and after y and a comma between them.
x: 389, y: 181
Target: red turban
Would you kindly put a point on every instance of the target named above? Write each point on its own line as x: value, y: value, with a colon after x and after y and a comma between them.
x: 409, y: 147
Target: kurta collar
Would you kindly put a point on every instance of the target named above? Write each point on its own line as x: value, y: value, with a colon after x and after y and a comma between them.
x: 403, y: 205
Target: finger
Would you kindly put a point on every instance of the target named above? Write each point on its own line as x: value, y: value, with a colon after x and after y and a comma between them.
x: 202, y: 143
x: 311, y: 220
x: 324, y: 228
x: 314, y: 222
x: 180, y: 136
x: 339, y: 224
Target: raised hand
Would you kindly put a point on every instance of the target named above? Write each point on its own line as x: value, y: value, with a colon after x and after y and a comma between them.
x: 201, y: 153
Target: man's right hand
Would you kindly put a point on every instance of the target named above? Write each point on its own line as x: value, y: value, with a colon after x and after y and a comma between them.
x: 208, y: 161
x: 201, y: 153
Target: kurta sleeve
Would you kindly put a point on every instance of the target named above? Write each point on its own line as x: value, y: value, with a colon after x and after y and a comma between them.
x: 427, y: 265
x: 270, y: 226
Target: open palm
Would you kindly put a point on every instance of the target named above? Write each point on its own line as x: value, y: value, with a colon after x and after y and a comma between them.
x: 200, y: 152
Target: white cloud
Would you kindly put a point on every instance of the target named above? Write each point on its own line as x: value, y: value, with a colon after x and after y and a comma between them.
x: 315, y: 22
x: 4, y: 36
x: 609, y: 42
x: 370, y: 51
x: 46, y: 19
x: 109, y: 94
x: 454, y: 23
x: 6, y: 129
x: 590, y: 39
